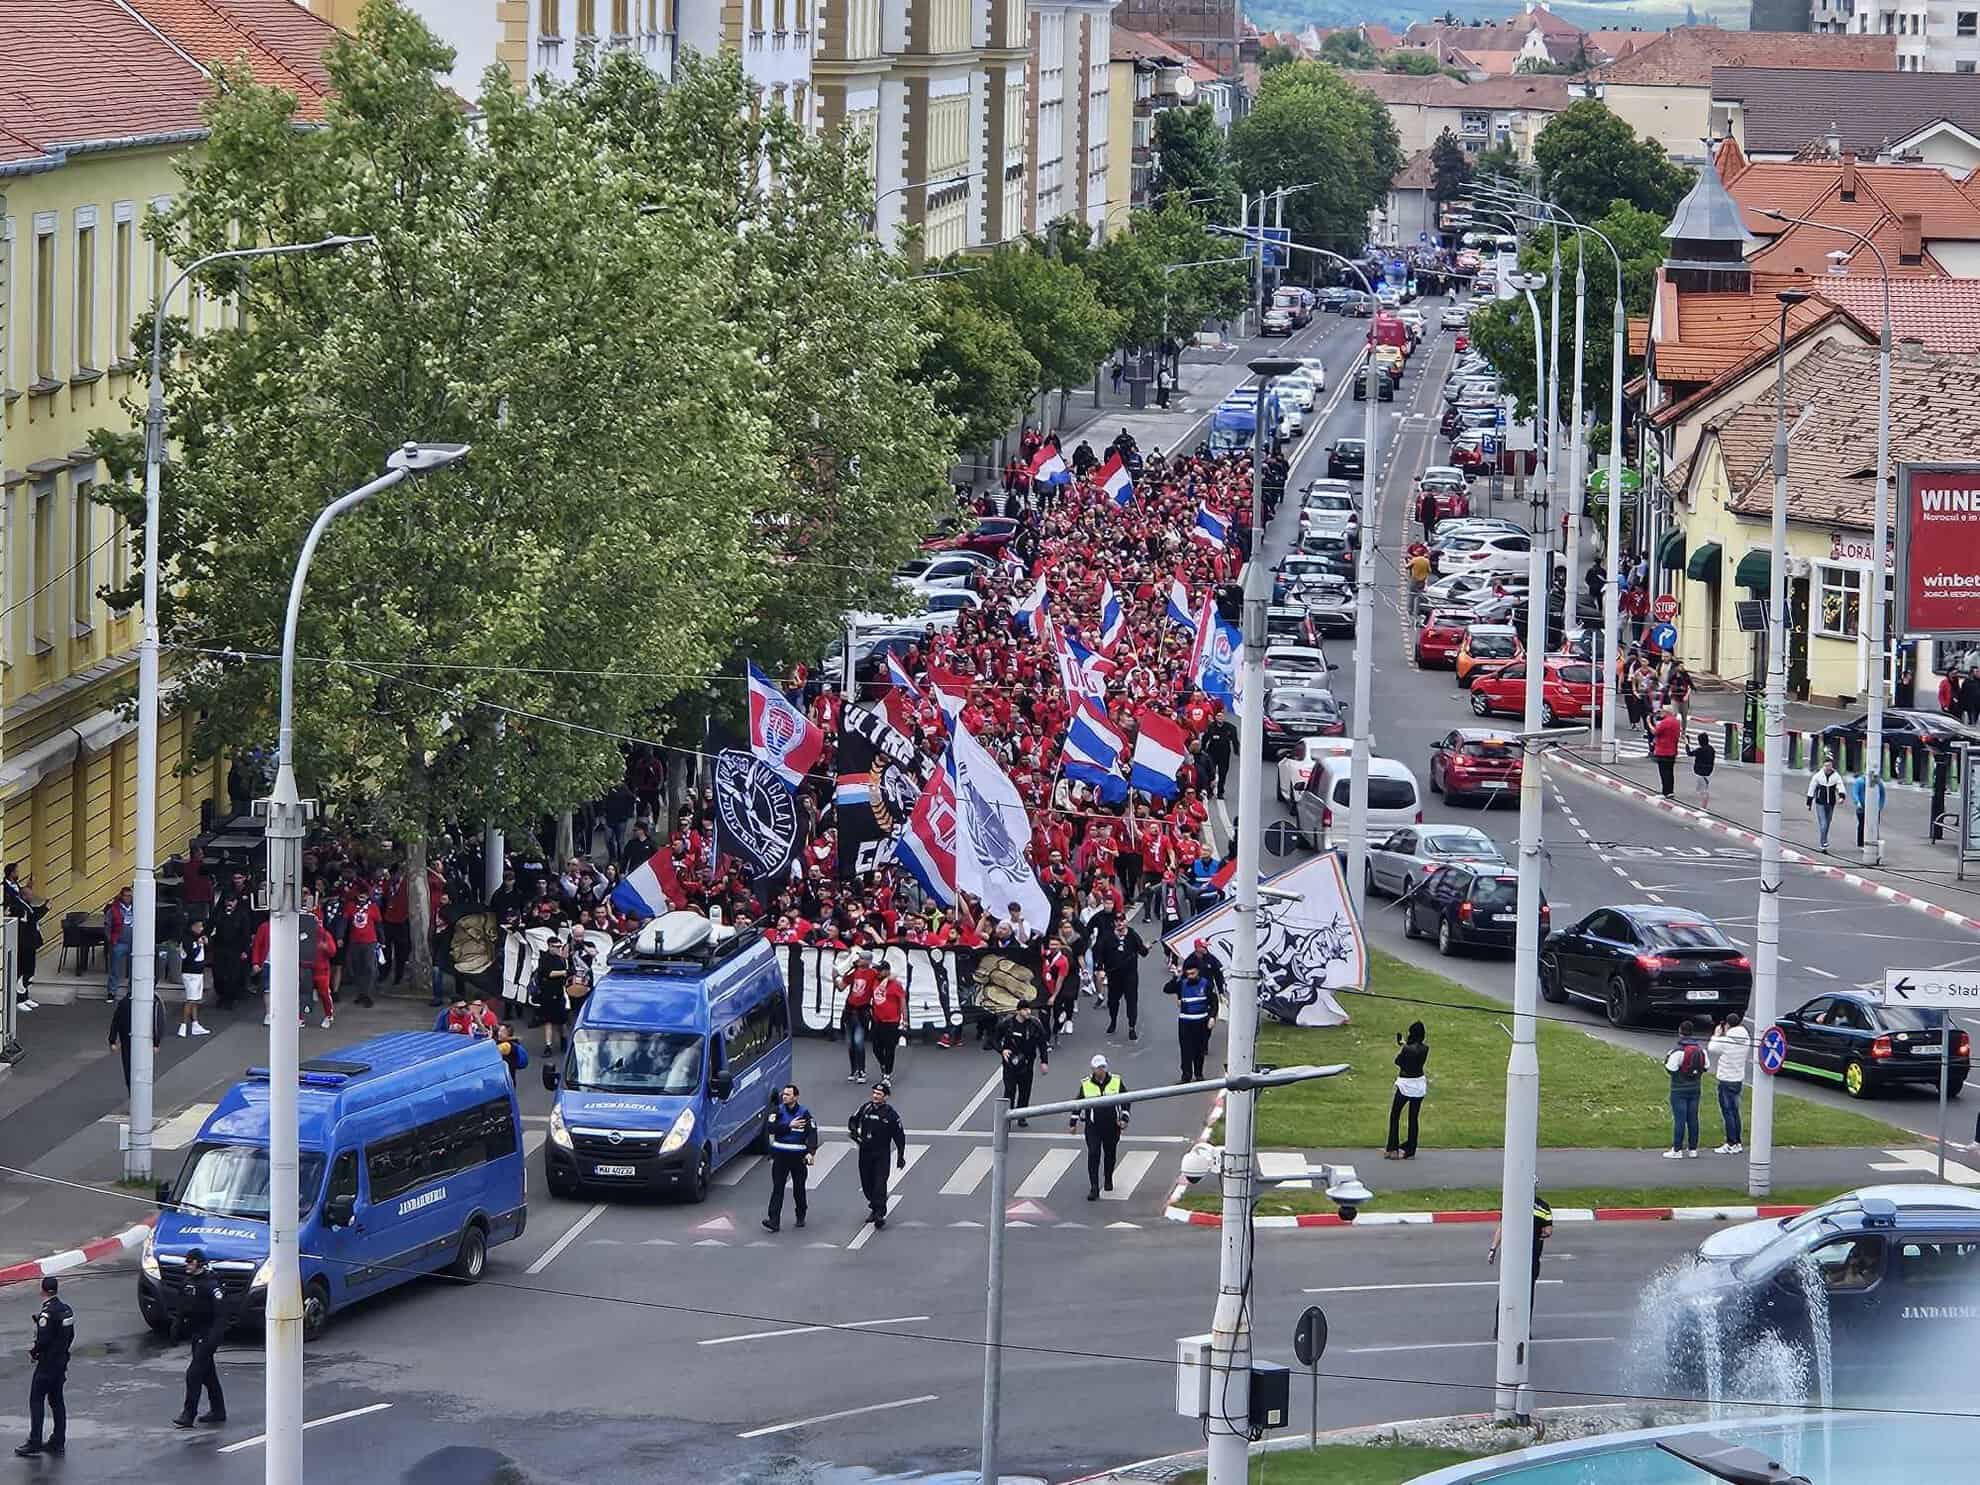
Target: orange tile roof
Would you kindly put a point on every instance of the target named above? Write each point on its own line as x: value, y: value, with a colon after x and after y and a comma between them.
x: 82, y: 72
x: 1753, y: 355
x: 1716, y: 332
x: 1949, y: 210
x: 1636, y: 334
x: 1685, y: 55
x: 1943, y: 313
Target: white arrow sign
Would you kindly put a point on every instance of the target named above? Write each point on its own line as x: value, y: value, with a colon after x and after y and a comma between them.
x: 1933, y: 989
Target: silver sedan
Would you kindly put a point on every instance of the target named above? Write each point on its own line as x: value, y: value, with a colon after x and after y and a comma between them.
x: 1399, y: 864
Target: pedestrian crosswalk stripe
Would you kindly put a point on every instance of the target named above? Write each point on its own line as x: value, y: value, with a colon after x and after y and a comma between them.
x: 1128, y: 1172
x: 828, y: 1156
x: 732, y: 1174
x: 1045, y: 1175
x: 969, y: 1175
x: 914, y: 1153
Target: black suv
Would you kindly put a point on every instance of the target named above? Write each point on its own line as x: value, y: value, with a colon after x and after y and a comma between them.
x: 1467, y: 905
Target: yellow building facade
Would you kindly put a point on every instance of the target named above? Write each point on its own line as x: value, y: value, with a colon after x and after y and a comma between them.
x: 76, y: 273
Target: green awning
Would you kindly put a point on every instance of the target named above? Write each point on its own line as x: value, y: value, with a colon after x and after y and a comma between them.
x: 1755, y: 570
x: 1704, y: 564
x: 1670, y: 551
x: 1598, y: 482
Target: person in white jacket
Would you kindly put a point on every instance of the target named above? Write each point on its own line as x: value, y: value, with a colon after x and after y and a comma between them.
x: 1825, y: 791
x: 1729, y: 1049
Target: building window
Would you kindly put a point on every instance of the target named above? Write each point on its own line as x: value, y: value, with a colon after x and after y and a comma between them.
x: 86, y: 292
x: 778, y: 18
x: 122, y: 267
x: 1840, y: 591
x: 756, y: 15
x: 621, y: 17
x: 82, y: 551
x: 120, y: 787
x: 587, y: 17
x: 44, y: 298
x: 79, y: 817
x: 42, y: 575
x: 1968, y: 23
x: 1962, y: 67
x: 549, y: 18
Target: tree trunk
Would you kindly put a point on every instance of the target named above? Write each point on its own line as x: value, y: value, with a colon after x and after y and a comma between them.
x: 566, y: 836
x: 419, y: 915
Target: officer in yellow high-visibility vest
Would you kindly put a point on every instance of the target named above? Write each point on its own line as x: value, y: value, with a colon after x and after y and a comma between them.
x: 1103, y: 1126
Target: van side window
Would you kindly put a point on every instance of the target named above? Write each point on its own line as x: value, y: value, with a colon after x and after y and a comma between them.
x: 763, y: 1027
x: 395, y: 1165
x: 343, y: 1176
x: 441, y: 1148
x: 1938, y: 1263
x: 1850, y: 1263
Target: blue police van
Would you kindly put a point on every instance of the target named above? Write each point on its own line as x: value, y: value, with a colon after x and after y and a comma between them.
x: 411, y: 1163
x: 675, y: 1060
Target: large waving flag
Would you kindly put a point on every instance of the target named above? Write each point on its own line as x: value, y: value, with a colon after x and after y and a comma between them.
x: 1213, y: 663
x: 1210, y: 529
x: 1082, y: 672
x: 1047, y: 468
x: 1160, y: 746
x: 1179, y: 606
x: 780, y: 734
x: 1113, y: 617
x: 1093, y: 747
x: 951, y: 693
x: 927, y: 846
x: 993, y: 835
x: 1115, y: 480
x: 650, y: 889
x: 1029, y: 616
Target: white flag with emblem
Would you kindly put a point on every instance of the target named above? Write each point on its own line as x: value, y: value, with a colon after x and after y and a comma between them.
x: 993, y: 831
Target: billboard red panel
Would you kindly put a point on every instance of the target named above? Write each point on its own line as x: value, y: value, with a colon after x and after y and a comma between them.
x: 1938, y: 551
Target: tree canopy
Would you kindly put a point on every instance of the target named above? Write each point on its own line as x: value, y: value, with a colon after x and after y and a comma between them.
x: 1450, y: 167
x: 1050, y: 304
x: 1311, y: 124
x: 1132, y: 271
x: 1589, y: 158
x: 1193, y: 162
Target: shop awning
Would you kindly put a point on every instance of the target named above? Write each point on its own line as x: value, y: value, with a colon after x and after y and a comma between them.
x: 1704, y: 564
x: 1670, y: 551
x: 1755, y: 570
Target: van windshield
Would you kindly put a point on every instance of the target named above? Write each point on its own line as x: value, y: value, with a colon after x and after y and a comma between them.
x: 232, y: 1180
x: 635, y: 1062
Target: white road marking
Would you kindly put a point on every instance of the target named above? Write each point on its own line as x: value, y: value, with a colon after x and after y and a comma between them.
x: 771, y: 1335
x: 895, y: 1177
x: 976, y: 1165
x: 533, y: 1141
x: 1552, y: 1340
x: 733, y: 1173
x: 1442, y: 1284
x: 906, y: 1402
x: 826, y: 1160
x: 570, y: 1236
x: 1128, y: 1172
x: 1822, y: 972
x: 262, y: 1438
x: 990, y: 1085
x: 1045, y: 1175
x: 1926, y: 1162
x: 899, y: 1172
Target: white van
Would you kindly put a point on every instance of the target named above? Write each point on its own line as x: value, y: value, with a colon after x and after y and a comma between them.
x: 1321, y: 808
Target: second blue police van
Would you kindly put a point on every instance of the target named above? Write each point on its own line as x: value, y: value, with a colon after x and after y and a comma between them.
x: 675, y: 1060
x: 410, y: 1163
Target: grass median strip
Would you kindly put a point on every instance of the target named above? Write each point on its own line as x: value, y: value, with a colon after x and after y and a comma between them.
x: 1593, y: 1095
x: 1281, y: 1203
x: 1346, y: 1464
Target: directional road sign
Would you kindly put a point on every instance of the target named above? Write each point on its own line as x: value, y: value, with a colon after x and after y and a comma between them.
x: 1773, y: 1049
x: 1664, y: 636
x: 1665, y: 609
x: 1934, y: 989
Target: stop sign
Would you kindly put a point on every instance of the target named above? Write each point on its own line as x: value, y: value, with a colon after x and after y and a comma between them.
x: 1665, y: 609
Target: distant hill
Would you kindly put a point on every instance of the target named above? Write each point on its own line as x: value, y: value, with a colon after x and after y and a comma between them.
x: 1650, y: 15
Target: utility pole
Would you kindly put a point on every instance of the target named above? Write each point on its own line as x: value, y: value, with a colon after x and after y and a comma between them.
x: 1612, y: 589
x: 1767, y: 924
x: 1577, y: 444
x: 1523, y: 1064
x: 1230, y: 1327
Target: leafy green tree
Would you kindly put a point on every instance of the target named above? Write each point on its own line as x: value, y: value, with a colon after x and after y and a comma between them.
x: 977, y: 364
x: 1275, y: 55
x: 1498, y: 163
x: 1132, y: 273
x: 664, y: 427
x: 1192, y: 161
x: 1052, y: 306
x: 1309, y: 123
x: 1504, y: 331
x: 1413, y: 63
x: 1349, y: 48
x: 1588, y: 158
x: 1450, y: 168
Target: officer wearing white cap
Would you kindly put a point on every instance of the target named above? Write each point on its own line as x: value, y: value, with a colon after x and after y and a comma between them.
x: 1103, y: 1125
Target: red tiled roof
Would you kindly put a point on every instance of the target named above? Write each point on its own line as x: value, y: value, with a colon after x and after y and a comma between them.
x: 77, y: 72
x: 1418, y: 175
x: 1139, y: 46
x: 1547, y: 94
x: 1716, y: 332
x: 1883, y: 193
x: 1759, y: 348
x: 1944, y: 313
x: 1685, y: 55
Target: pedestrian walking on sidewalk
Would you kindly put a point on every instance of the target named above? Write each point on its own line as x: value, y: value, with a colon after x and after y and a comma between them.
x: 1163, y: 382
x: 1666, y: 736
x: 1729, y: 1048
x: 27, y: 914
x: 1825, y: 792
x: 793, y: 1145
x: 1119, y: 371
x: 120, y: 1029
x: 1859, y: 789
x: 192, y: 977
x: 1103, y: 1126
x: 117, y: 938
x: 200, y: 1313
x: 1412, y: 1054
x: 54, y: 1335
x: 875, y: 1126
x: 1686, y: 1063
x: 1704, y: 758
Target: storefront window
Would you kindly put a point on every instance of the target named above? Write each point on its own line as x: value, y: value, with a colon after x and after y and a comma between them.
x: 1840, y: 595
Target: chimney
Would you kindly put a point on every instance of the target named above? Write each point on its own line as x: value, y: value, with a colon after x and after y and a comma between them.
x: 1849, y: 176
x: 1910, y: 237
x: 1910, y: 348
x: 1834, y: 140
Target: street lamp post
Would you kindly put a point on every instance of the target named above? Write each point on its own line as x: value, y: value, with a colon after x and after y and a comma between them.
x: 1767, y: 924
x: 1167, y: 269
x: 1880, y: 535
x: 287, y: 814
x: 1523, y: 1063
x: 144, y: 881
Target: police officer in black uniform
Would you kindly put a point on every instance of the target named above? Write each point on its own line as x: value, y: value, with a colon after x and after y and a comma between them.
x: 874, y: 1126
x: 201, y: 1313
x: 793, y: 1143
x: 1196, y: 1014
x: 1208, y: 964
x: 1020, y: 1045
x: 1103, y: 1126
x: 54, y: 1334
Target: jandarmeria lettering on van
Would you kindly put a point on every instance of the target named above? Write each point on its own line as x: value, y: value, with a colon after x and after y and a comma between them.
x: 425, y: 1199
x: 1941, y: 1312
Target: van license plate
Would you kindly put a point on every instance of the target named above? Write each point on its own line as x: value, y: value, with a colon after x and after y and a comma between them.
x: 613, y: 1170
x: 1701, y: 995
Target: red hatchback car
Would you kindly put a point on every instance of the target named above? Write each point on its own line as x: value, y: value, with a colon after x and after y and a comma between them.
x: 1475, y: 760
x: 1451, y: 501
x: 1438, y: 640
x: 1570, y: 692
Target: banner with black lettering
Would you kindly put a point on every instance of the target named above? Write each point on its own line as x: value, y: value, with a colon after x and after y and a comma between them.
x: 881, y: 774
x: 934, y: 989
x: 756, y: 820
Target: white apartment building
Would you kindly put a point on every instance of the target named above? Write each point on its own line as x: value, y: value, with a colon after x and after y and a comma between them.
x: 1931, y: 35
x: 1068, y: 126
